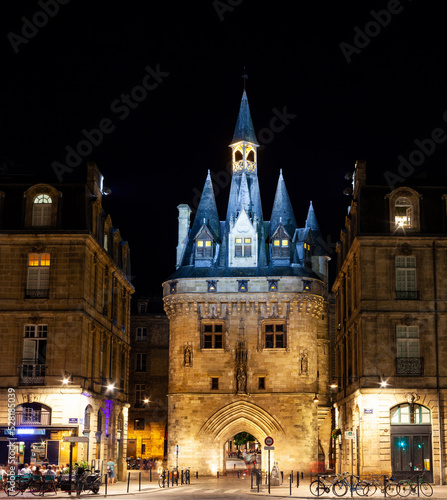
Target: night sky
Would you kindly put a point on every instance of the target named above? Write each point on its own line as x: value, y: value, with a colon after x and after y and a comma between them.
x: 341, y: 81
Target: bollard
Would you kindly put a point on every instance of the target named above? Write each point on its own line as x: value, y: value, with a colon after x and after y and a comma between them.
x: 282, y: 476
x: 139, y: 481
x: 297, y: 478
x: 217, y: 474
x: 290, y: 483
x: 181, y: 477
x: 234, y: 466
x: 238, y: 474
x: 384, y: 486
x: 197, y: 474
x: 128, y: 481
x: 150, y: 475
x: 106, y: 476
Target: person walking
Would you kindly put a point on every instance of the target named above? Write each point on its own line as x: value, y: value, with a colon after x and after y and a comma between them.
x: 111, y: 471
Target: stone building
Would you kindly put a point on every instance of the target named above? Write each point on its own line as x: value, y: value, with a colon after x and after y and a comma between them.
x: 247, y: 308
x: 148, y: 380
x: 391, y: 321
x: 64, y: 321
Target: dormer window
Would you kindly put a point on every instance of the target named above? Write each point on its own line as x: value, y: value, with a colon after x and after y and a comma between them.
x: 243, y: 247
x: 42, y: 210
x: 204, y: 249
x: 280, y: 244
x: 403, y: 213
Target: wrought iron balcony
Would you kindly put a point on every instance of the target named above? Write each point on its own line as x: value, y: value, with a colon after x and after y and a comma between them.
x: 32, y: 374
x: 407, y: 295
x: 409, y: 366
x: 37, y: 294
x: 33, y: 417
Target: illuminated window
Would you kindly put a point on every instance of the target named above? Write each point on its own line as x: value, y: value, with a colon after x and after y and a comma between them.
x: 274, y: 335
x: 242, y: 285
x: 273, y: 285
x: 38, y: 282
x: 204, y: 248
x: 141, y: 334
x: 280, y: 244
x: 42, y: 210
x: 408, y: 413
x: 403, y: 213
x: 407, y: 341
x: 212, y: 336
x: 243, y: 247
x: 34, y: 350
x: 214, y: 383
x: 406, y: 277
x: 212, y: 285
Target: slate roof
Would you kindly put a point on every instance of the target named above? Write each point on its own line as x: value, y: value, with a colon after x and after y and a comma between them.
x: 282, y: 209
x: 244, y: 130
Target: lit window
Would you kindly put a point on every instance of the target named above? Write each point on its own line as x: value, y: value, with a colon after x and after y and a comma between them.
x: 42, y: 210
x: 273, y: 285
x: 204, y: 247
x: 212, y: 336
x: 34, y: 351
x: 212, y: 285
x: 242, y: 285
x: 274, y: 334
x: 280, y: 244
x: 38, y: 282
x: 243, y: 247
x: 410, y: 414
x: 403, y: 213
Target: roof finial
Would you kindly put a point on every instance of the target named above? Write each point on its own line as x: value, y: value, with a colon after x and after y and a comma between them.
x: 245, y: 77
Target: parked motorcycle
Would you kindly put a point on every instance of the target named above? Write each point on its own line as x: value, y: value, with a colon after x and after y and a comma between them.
x: 88, y: 480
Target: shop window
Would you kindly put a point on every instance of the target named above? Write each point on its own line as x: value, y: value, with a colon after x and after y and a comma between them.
x: 274, y: 335
x: 212, y: 336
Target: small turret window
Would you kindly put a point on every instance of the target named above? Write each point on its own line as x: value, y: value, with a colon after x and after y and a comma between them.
x: 243, y: 247
x: 280, y: 244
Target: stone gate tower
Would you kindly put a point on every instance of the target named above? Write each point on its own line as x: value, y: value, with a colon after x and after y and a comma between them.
x: 248, y: 324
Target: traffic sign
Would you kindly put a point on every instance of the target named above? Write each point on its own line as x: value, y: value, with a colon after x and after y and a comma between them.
x: 75, y: 439
x: 269, y: 448
x: 268, y: 441
x: 177, y: 449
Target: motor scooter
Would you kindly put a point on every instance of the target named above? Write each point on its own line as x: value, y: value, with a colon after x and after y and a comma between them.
x: 88, y: 480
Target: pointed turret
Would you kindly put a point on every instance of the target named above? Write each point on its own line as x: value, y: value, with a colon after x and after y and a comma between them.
x: 312, y: 223
x: 282, y: 210
x: 207, y: 210
x: 244, y: 141
x: 244, y: 130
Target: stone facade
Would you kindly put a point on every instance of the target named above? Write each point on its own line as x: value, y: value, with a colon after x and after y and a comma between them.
x: 65, y: 318
x: 248, y: 315
x: 148, y: 413
x: 390, y: 345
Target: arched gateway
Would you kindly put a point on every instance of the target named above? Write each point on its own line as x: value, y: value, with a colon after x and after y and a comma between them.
x: 248, y: 324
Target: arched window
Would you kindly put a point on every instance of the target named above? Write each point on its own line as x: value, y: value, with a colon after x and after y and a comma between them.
x: 403, y: 213
x: 410, y: 413
x: 33, y: 414
x: 87, y: 419
x: 42, y: 210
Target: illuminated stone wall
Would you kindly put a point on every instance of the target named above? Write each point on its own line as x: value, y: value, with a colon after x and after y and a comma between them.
x: 202, y: 419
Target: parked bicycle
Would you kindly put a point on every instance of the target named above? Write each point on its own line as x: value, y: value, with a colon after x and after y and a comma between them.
x: 352, y: 483
x: 375, y: 483
x: 407, y: 486
x: 323, y: 485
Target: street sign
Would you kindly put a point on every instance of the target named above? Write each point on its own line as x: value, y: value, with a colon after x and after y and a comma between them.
x: 268, y: 441
x: 349, y: 435
x: 75, y: 439
x: 177, y: 449
x: 269, y: 448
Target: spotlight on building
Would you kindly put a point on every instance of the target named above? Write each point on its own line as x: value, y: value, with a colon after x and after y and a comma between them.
x: 316, y: 400
x: 110, y: 386
x: 67, y: 378
x: 146, y: 401
x: 333, y: 385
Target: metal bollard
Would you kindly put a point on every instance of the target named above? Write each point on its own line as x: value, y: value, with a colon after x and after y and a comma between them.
x: 290, y: 483
x: 197, y: 474
x: 106, y: 476
x: 282, y: 477
x: 139, y: 481
x: 297, y: 478
x: 128, y: 481
x: 150, y: 475
x: 217, y: 474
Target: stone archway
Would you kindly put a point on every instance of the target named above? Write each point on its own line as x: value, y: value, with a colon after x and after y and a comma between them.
x: 234, y: 418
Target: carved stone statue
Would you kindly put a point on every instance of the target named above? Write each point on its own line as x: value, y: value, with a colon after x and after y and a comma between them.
x: 241, y: 380
x: 187, y: 355
x: 304, y: 363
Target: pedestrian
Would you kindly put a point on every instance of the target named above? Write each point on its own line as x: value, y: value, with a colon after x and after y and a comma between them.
x: 111, y: 471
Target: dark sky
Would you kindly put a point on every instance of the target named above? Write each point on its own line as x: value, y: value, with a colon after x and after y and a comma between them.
x: 70, y: 71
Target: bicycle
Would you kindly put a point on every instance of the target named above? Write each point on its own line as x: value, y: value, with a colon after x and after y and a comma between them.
x: 323, y: 485
x: 162, y: 479
x: 407, y: 486
x: 342, y: 485
x: 390, y: 486
x: 19, y: 484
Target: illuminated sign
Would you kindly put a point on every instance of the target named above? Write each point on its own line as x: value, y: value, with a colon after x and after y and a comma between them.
x: 35, y: 432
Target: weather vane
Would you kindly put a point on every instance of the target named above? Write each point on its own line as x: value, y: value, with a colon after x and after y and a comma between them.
x: 245, y: 77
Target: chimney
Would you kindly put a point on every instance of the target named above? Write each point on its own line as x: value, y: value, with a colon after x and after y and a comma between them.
x: 184, y: 213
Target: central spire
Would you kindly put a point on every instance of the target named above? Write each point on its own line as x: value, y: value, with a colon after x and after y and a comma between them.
x: 244, y: 142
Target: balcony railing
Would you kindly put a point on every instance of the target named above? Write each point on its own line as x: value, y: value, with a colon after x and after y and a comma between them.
x: 410, y: 366
x: 33, y: 417
x: 407, y: 295
x: 37, y: 294
x: 32, y: 374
